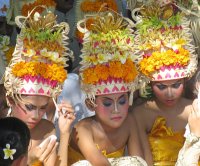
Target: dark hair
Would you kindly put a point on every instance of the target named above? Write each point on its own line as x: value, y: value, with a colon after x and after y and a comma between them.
x: 15, y: 133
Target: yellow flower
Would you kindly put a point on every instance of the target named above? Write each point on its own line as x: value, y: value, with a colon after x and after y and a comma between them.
x: 169, y: 58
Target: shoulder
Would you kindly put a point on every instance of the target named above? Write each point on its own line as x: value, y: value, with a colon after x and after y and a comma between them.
x: 85, y: 123
x: 143, y: 110
x: 45, y: 126
x: 187, y: 104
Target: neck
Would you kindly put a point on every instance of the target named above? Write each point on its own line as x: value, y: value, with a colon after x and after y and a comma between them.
x: 107, y: 129
x: 162, y: 107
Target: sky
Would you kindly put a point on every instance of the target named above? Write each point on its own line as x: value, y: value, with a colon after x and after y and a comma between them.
x: 3, y: 5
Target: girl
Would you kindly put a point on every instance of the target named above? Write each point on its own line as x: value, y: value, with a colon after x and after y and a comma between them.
x: 14, y: 141
x: 190, y: 152
x: 108, y: 77
x: 168, y: 58
x: 35, y: 75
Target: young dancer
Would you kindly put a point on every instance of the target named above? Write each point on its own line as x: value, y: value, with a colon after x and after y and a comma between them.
x: 165, y: 43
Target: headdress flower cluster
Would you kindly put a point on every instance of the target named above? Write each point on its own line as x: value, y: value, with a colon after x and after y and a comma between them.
x: 165, y: 42
x: 40, y: 56
x: 108, y: 59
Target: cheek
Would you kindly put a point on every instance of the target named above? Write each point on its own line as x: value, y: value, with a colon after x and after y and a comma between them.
x: 103, y: 110
x: 158, y: 92
x: 18, y: 113
x: 179, y: 91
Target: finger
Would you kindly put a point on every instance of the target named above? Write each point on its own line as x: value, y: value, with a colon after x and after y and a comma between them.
x: 48, y: 150
x: 53, y: 150
x: 43, y: 145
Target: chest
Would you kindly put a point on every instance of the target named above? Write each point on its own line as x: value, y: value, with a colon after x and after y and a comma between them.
x: 111, y: 142
x: 176, y: 122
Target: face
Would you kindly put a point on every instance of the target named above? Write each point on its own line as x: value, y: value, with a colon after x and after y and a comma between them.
x: 31, y: 110
x: 168, y: 92
x: 112, y: 109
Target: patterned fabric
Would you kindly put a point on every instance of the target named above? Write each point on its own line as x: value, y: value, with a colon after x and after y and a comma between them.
x: 121, y: 161
x: 75, y: 156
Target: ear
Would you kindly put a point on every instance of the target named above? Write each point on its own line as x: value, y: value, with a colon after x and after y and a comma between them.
x: 90, y: 105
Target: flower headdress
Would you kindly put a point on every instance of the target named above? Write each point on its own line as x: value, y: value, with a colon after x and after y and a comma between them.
x: 37, y: 66
x: 108, y: 59
x: 164, y: 40
x: 21, y: 7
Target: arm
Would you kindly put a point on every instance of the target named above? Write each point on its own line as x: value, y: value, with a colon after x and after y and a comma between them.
x: 87, y: 145
x: 45, y: 152
x: 134, y: 144
x: 190, y: 152
x: 65, y: 120
x: 140, y: 121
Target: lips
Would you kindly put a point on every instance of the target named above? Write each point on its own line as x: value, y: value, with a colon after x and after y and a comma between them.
x: 31, y: 123
x: 116, y: 118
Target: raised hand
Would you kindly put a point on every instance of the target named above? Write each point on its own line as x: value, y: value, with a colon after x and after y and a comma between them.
x: 43, y: 151
x: 66, y: 116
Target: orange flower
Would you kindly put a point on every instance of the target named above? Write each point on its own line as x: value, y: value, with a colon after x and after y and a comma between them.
x: 52, y: 72
x: 95, y: 6
x: 115, y: 69
x: 28, y: 7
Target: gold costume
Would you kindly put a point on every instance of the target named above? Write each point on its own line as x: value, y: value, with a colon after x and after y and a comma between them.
x: 164, y: 143
x: 74, y: 156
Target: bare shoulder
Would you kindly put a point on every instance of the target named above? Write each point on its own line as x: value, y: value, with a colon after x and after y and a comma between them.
x: 84, y: 123
x: 46, y: 127
x: 142, y: 110
x: 43, y: 129
x: 187, y: 105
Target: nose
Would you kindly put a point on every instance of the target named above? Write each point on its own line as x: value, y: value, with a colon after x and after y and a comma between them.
x: 115, y: 110
x: 169, y: 92
x: 36, y: 114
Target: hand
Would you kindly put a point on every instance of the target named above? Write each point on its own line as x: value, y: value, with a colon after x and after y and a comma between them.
x: 66, y: 117
x: 43, y: 151
x: 194, y: 119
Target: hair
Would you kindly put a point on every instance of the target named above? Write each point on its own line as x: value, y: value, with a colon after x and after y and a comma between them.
x: 15, y: 133
x: 197, y: 81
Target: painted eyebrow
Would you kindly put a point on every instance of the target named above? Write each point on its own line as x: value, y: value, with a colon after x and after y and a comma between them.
x: 36, y: 106
x: 112, y: 99
x: 179, y: 81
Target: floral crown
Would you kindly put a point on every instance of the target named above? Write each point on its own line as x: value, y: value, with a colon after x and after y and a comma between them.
x: 165, y: 42
x: 108, y: 59
x: 40, y: 55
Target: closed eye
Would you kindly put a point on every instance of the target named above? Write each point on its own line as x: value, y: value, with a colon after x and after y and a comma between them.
x: 176, y: 85
x: 161, y: 86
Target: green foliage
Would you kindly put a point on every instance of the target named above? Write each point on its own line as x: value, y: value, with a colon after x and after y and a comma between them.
x: 44, y: 35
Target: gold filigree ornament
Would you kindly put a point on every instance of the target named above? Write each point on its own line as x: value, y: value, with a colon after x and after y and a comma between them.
x: 8, y: 153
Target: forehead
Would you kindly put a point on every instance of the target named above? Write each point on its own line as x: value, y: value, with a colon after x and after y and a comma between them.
x: 168, y: 82
x: 35, y: 100
x: 112, y: 96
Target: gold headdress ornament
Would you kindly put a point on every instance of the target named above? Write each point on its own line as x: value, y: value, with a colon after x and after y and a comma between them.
x: 37, y: 66
x: 165, y: 42
x: 108, y: 59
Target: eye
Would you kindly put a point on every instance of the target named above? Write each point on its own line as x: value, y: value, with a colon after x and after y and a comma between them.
x: 107, y: 103
x: 176, y: 85
x: 161, y: 86
x: 122, y: 101
x: 43, y: 107
x: 29, y: 107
